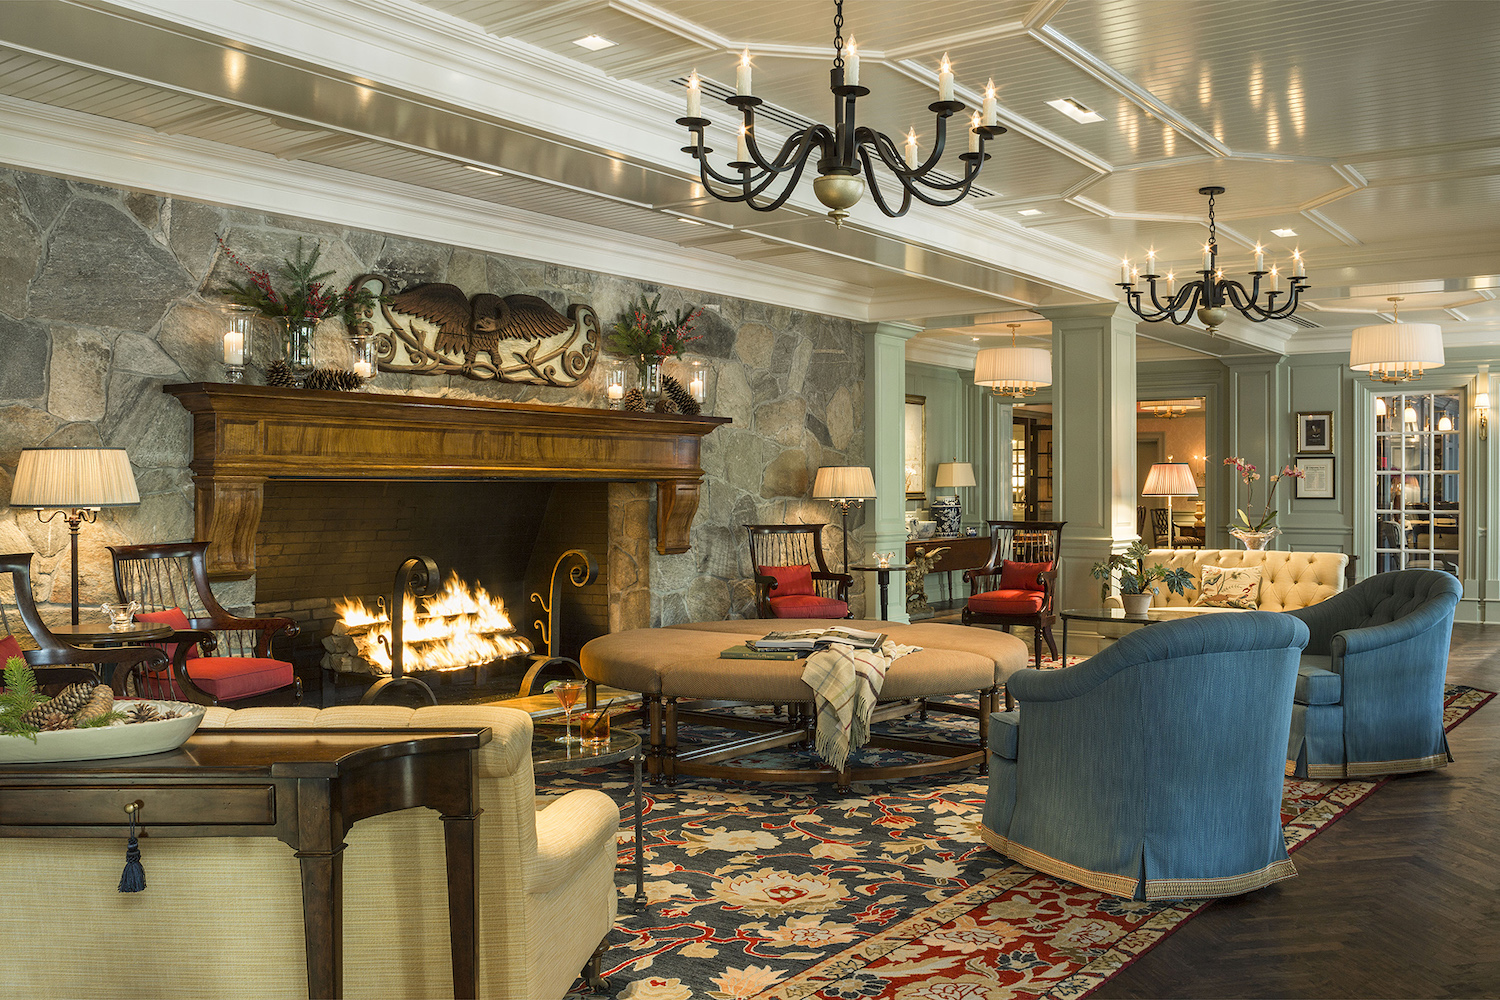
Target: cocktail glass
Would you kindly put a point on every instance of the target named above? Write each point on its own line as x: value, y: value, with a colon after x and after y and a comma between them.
x: 593, y: 727
x: 567, y: 693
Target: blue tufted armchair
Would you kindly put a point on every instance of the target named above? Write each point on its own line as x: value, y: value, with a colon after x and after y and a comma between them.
x: 1370, y: 688
x: 1154, y: 769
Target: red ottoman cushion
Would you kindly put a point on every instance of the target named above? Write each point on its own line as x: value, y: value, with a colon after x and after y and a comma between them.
x: 808, y: 606
x: 1007, y: 602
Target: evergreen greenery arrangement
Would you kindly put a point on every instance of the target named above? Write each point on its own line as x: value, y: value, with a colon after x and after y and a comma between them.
x: 305, y: 294
x: 645, y: 332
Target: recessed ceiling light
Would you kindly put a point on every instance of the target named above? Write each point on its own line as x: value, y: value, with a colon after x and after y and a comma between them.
x: 483, y: 170
x: 975, y: 339
x: 1031, y: 211
x: 1284, y: 233
x: 1076, y: 111
x: 594, y: 42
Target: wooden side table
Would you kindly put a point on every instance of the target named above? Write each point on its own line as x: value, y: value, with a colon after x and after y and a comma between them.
x: 304, y: 787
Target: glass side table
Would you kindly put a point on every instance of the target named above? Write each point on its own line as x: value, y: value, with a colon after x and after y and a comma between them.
x: 1118, y: 616
x: 549, y: 757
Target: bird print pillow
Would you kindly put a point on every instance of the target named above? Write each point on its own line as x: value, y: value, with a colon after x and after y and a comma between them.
x: 1229, y: 588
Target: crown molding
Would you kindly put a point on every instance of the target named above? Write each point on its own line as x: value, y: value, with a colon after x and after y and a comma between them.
x: 55, y: 141
x: 941, y: 353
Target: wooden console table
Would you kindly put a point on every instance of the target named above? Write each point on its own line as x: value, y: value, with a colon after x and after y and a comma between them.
x: 304, y: 787
x: 964, y: 552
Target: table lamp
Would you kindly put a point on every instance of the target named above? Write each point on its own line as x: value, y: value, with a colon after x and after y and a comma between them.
x: 845, y: 486
x: 76, y: 483
x: 1170, y: 479
x: 951, y: 475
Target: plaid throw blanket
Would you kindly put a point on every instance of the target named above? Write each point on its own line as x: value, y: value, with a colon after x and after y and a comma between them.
x: 846, y: 682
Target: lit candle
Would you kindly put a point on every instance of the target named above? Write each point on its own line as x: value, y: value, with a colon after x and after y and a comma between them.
x: 851, y: 64
x: 695, y: 386
x: 1299, y: 267
x: 694, y: 97
x: 1208, y: 256
x: 1135, y: 275
x: 1260, y: 257
x: 364, y: 369
x: 1171, y: 283
x: 1151, y: 261
x: 973, y: 133
x: 1124, y: 270
x: 616, y: 392
x: 911, y: 148
x: 945, y: 80
x: 234, y: 348
x: 1275, y: 279
x: 742, y: 149
x: 742, y: 75
x: 990, y: 114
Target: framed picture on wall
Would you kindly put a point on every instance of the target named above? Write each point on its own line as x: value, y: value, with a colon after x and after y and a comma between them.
x: 915, y: 463
x: 1315, y: 433
x: 1317, y: 482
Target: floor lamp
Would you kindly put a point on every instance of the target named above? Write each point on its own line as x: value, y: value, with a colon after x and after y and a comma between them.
x: 845, y: 486
x: 1170, y: 479
x: 74, y: 483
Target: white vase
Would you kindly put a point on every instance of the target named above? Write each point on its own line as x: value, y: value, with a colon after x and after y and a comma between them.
x: 1136, y: 604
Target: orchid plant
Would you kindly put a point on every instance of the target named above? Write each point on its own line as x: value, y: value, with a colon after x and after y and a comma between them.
x: 1250, y: 476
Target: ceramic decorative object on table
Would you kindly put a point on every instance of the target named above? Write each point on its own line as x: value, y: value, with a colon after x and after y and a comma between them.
x: 121, y: 739
x: 947, y: 511
x: 926, y: 529
x: 1256, y: 541
x: 1136, y: 604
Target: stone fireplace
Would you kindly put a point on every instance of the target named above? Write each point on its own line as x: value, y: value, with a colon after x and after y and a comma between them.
x: 321, y: 495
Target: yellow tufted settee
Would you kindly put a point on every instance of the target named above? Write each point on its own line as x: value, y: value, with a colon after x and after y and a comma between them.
x: 222, y: 918
x: 1288, y: 579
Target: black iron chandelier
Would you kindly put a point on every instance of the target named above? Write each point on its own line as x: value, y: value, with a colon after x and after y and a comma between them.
x: 845, y: 151
x: 1209, y: 294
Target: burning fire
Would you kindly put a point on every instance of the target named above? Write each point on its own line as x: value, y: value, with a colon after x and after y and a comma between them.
x: 459, y: 626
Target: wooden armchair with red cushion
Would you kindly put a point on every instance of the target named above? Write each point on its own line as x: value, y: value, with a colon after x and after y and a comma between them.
x: 791, y: 578
x: 1018, y: 586
x: 217, y: 657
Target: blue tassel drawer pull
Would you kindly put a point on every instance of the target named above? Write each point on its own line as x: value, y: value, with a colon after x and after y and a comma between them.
x: 133, y: 879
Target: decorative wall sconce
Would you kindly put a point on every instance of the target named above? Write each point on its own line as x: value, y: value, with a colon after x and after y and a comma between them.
x: 1482, y: 407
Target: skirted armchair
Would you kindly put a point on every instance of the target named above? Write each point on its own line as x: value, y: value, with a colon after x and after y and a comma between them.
x: 1152, y: 770
x: 1370, y: 689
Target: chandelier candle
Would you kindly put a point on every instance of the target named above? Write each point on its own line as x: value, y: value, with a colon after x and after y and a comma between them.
x: 694, y: 97
x: 844, y: 153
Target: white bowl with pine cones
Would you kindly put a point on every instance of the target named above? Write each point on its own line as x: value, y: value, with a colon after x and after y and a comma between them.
x: 85, y: 722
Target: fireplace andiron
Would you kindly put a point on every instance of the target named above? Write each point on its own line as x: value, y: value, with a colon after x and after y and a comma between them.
x: 584, y: 572
x: 420, y: 574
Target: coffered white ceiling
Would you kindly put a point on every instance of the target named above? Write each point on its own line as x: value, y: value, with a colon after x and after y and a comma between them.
x: 1370, y: 127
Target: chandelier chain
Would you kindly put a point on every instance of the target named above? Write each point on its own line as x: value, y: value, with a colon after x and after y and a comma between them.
x: 838, y: 35
x: 1213, y: 229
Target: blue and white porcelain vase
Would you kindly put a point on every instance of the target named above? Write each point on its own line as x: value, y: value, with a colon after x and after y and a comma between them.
x: 947, y: 512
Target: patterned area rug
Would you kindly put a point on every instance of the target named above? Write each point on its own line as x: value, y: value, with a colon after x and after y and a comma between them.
x: 887, y: 891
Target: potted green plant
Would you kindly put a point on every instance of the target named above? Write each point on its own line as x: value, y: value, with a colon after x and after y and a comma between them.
x: 1138, y: 582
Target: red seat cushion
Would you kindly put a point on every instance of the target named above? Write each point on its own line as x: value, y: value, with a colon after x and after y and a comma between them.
x: 808, y: 606
x: 227, y: 678
x: 9, y: 647
x: 790, y: 580
x: 1022, y: 576
x: 179, y: 621
x: 1007, y: 602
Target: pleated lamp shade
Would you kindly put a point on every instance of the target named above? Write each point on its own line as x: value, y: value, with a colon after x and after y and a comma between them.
x: 954, y: 474
x: 844, y: 482
x: 72, y: 478
x: 1396, y: 352
x: 1013, y: 371
x: 1170, y: 479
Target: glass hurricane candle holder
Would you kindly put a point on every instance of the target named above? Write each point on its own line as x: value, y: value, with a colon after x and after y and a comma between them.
x: 614, y: 383
x: 362, y: 349
x: 239, y: 328
x: 697, y: 386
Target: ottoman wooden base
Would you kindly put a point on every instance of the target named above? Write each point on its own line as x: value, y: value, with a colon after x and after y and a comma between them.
x: 679, y: 674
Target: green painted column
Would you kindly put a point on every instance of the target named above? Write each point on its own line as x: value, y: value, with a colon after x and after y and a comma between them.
x: 1093, y: 418
x: 1260, y: 428
x: 885, y: 450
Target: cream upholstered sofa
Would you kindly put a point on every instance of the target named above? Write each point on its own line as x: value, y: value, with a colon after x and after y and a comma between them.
x: 1288, y: 579
x: 223, y: 917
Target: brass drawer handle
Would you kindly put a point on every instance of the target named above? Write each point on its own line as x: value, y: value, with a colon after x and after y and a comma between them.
x: 131, y: 808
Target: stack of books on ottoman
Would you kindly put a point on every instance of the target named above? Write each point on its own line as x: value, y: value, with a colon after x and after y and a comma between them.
x: 795, y: 645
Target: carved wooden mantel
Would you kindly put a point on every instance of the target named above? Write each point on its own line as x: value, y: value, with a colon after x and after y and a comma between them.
x: 244, y: 435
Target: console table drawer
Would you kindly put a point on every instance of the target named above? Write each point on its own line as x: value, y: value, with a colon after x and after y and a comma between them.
x: 162, y: 805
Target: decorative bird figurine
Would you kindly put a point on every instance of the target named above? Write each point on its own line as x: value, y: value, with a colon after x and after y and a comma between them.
x: 471, y: 325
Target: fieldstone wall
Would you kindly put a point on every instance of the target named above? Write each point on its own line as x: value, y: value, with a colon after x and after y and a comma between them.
x: 106, y: 295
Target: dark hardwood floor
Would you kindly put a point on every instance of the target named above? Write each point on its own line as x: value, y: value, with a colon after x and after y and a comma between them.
x: 1399, y: 898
